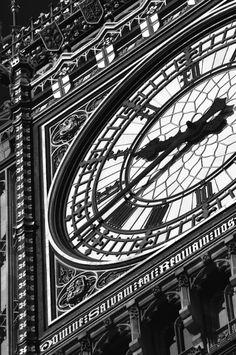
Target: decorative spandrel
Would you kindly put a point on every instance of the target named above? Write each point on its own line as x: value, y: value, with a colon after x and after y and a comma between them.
x: 79, y: 288
x: 72, y: 285
x: 63, y: 133
x: 67, y: 129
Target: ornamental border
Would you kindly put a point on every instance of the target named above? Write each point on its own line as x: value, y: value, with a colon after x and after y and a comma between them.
x: 141, y: 282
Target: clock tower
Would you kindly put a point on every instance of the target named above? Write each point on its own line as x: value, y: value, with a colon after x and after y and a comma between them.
x: 118, y: 180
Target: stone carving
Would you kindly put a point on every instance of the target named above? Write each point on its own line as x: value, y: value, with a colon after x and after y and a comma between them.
x: 232, y: 248
x: 183, y: 280
x: 108, y: 322
x: 85, y: 345
x: 157, y: 291
x: 91, y: 10
x: 80, y: 287
x: 62, y: 135
x: 134, y: 312
x: 64, y: 274
x: 71, y: 125
x: 67, y: 129
x: 57, y: 156
x: 206, y: 258
x: 107, y: 277
x: 94, y: 103
x: 52, y: 37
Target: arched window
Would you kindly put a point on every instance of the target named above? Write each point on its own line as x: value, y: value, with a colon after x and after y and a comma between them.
x: 183, y: 336
x: 115, y: 341
x: 159, y: 328
x: 215, y: 304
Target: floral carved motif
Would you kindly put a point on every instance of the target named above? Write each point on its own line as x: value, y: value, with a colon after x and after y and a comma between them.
x: 77, y: 289
x: 67, y: 129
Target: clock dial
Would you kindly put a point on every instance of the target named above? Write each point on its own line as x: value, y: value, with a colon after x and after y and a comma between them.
x: 163, y: 163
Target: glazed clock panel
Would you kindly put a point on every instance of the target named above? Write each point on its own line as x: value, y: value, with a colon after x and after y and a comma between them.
x: 167, y: 200
x: 163, y: 162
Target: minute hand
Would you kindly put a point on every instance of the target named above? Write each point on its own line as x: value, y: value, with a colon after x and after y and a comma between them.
x: 194, y: 134
x: 181, y: 137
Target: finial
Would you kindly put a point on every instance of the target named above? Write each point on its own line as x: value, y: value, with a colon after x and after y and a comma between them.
x: 14, y: 9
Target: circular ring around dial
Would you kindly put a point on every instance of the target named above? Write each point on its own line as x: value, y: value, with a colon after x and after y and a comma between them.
x: 121, y: 220
x: 191, y: 168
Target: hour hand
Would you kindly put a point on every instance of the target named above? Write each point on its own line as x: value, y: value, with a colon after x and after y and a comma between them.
x: 152, y: 149
x: 195, y: 132
x: 199, y: 130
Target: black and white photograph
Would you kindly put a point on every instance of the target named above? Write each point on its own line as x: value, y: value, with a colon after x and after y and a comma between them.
x: 118, y: 177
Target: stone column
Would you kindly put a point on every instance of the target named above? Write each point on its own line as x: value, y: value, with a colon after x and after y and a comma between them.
x: 25, y: 224
x: 230, y: 242
x: 134, y: 314
x: 186, y: 311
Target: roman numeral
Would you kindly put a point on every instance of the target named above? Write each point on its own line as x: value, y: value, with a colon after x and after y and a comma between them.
x: 96, y: 242
x: 192, y: 71
x: 109, y: 191
x: 156, y: 216
x: 119, y: 153
x: 90, y: 162
x: 191, y: 74
x: 203, y: 194
x: 121, y: 214
x: 140, y: 107
x: 233, y: 58
x: 79, y: 211
x: 147, y: 240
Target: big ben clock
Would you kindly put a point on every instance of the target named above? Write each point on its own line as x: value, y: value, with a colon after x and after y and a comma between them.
x: 156, y: 159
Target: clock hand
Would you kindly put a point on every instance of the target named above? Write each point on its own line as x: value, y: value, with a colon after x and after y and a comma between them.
x: 194, y: 133
x: 154, y: 177
x: 215, y: 126
x: 121, y: 193
x: 188, y: 136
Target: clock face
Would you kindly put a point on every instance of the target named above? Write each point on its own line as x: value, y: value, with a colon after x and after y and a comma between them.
x: 155, y: 170
x: 147, y: 171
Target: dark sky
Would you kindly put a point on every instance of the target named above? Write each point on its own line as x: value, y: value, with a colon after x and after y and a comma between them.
x: 28, y: 9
